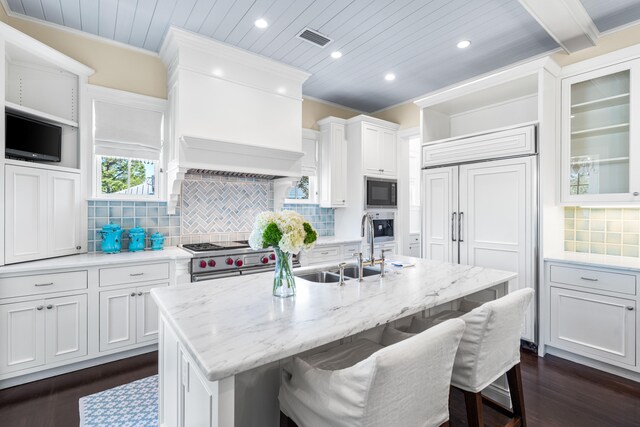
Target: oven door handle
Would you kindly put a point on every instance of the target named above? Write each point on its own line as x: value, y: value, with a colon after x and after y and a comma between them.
x: 211, y: 276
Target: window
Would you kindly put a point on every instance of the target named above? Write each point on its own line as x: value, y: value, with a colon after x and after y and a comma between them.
x: 122, y: 176
x: 302, y: 191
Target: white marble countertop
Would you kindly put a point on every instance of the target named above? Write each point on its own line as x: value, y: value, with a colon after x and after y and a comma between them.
x: 93, y: 259
x: 333, y: 240
x: 234, y: 324
x: 607, y: 261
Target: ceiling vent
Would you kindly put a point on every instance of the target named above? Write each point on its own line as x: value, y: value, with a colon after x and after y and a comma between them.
x: 314, y: 37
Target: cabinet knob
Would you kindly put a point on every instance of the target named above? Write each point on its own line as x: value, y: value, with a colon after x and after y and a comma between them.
x: 139, y: 294
x: 78, y: 247
x: 635, y: 193
x: 49, y: 306
x: 133, y: 294
x: 39, y: 307
x: 629, y: 308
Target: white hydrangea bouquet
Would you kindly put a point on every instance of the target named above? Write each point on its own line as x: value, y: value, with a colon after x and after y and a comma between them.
x: 288, y: 233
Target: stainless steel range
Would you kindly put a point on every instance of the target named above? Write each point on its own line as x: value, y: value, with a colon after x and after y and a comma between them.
x: 226, y: 259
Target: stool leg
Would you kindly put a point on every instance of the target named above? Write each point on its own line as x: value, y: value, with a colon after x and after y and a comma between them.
x: 286, y: 421
x: 473, y: 402
x: 445, y: 424
x: 514, y: 378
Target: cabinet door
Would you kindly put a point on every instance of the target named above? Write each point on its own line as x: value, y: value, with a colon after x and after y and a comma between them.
x: 339, y: 170
x: 146, y: 314
x: 496, y: 205
x: 388, y: 153
x: 117, y: 318
x: 66, y: 327
x: 440, y: 220
x: 198, y: 402
x: 371, y: 138
x: 25, y: 214
x: 599, y: 162
x: 592, y: 325
x: 64, y: 209
x: 21, y: 335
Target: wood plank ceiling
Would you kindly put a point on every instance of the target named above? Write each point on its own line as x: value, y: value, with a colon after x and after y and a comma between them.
x: 414, y: 39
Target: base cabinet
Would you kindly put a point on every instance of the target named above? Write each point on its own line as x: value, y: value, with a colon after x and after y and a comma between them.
x: 128, y: 316
x: 599, y: 326
x: 42, y: 331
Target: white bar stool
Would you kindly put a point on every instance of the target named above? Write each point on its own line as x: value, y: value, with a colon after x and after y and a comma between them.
x: 363, y: 383
x: 490, y: 347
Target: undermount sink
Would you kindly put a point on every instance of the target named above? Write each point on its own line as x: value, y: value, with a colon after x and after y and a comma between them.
x: 333, y: 275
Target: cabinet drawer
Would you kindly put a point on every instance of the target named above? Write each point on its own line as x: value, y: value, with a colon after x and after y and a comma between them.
x: 324, y: 254
x: 349, y: 250
x: 414, y: 238
x: 593, y: 279
x: 596, y: 326
x: 42, y: 284
x: 133, y: 274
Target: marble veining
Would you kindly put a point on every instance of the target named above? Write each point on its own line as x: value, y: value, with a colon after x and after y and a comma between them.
x: 234, y: 324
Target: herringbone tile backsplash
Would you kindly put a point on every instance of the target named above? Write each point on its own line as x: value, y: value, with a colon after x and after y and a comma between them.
x: 213, y: 204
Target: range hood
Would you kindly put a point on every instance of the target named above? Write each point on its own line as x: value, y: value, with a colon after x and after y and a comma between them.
x: 231, y: 112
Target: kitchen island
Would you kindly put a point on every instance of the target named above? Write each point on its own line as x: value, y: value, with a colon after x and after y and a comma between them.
x: 222, y: 341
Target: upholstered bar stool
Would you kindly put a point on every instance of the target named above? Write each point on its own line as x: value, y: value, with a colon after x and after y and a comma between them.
x: 363, y: 383
x: 490, y: 347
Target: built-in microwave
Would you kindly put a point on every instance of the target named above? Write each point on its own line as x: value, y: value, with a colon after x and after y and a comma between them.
x: 380, y: 193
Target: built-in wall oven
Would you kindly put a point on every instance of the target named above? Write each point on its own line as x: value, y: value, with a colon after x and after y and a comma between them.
x: 380, y: 193
x: 383, y: 226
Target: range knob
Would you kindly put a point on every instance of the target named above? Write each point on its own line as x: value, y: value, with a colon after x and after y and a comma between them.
x: 229, y: 261
x: 272, y: 257
x: 239, y: 263
x: 203, y: 264
x: 265, y: 260
x: 212, y: 263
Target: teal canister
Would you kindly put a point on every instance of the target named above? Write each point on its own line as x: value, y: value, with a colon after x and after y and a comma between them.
x: 157, y: 241
x: 136, y: 239
x: 111, y: 238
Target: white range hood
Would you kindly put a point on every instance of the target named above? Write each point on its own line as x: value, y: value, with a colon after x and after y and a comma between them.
x: 230, y: 110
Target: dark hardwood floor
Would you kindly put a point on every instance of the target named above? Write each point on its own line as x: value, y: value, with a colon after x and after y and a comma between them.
x: 556, y: 393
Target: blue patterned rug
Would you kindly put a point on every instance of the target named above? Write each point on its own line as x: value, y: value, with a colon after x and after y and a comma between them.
x: 130, y: 405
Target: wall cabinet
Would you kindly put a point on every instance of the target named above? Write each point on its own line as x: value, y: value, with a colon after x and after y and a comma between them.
x: 42, y: 331
x: 333, y: 164
x: 600, y: 154
x: 42, y: 213
x: 379, y: 151
x: 127, y: 316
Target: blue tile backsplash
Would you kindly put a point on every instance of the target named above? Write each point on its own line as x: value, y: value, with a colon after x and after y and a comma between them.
x: 152, y: 216
x: 322, y: 219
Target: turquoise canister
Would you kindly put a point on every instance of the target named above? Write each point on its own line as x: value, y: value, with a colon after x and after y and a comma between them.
x: 111, y: 238
x: 157, y: 241
x: 136, y: 239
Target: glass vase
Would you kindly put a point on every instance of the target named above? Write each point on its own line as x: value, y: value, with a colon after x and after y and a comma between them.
x: 284, y: 283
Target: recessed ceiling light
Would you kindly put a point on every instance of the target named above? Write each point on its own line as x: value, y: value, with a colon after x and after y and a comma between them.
x: 282, y: 90
x: 463, y: 44
x: 261, y: 23
x: 337, y: 54
x: 390, y: 77
x: 218, y: 72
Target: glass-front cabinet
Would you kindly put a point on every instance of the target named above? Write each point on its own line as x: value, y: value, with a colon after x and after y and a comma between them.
x: 600, y: 146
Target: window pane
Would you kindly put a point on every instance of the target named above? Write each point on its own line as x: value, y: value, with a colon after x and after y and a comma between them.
x: 127, y: 176
x: 300, y: 190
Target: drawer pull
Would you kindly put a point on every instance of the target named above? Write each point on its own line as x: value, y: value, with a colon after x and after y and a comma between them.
x: 49, y: 307
x: 135, y: 274
x: 44, y: 284
x: 629, y: 308
x: 139, y: 294
x: 39, y: 307
x: 133, y: 294
x: 324, y: 253
x: 589, y: 279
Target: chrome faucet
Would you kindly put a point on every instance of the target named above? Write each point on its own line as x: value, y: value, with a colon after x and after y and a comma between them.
x: 372, y: 261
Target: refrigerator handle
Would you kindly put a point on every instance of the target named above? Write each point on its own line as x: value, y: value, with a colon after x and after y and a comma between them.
x: 453, y: 226
x: 460, y: 220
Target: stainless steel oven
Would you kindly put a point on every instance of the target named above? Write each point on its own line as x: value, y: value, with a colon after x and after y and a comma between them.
x: 384, y: 226
x: 380, y: 193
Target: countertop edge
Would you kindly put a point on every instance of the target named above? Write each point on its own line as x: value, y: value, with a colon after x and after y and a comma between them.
x: 599, y: 261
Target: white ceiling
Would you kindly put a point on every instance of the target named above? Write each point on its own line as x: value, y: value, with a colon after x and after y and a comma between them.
x: 415, y: 39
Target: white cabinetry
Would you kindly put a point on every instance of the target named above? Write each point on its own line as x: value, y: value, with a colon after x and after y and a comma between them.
x: 127, y: 316
x: 42, y: 331
x: 600, y: 159
x: 42, y: 213
x: 591, y: 313
x: 333, y: 163
x: 379, y: 150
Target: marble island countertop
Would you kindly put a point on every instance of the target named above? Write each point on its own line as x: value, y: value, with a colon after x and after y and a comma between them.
x: 98, y: 258
x: 234, y: 324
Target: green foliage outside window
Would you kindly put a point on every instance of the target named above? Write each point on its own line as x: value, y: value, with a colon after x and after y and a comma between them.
x: 119, y: 174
